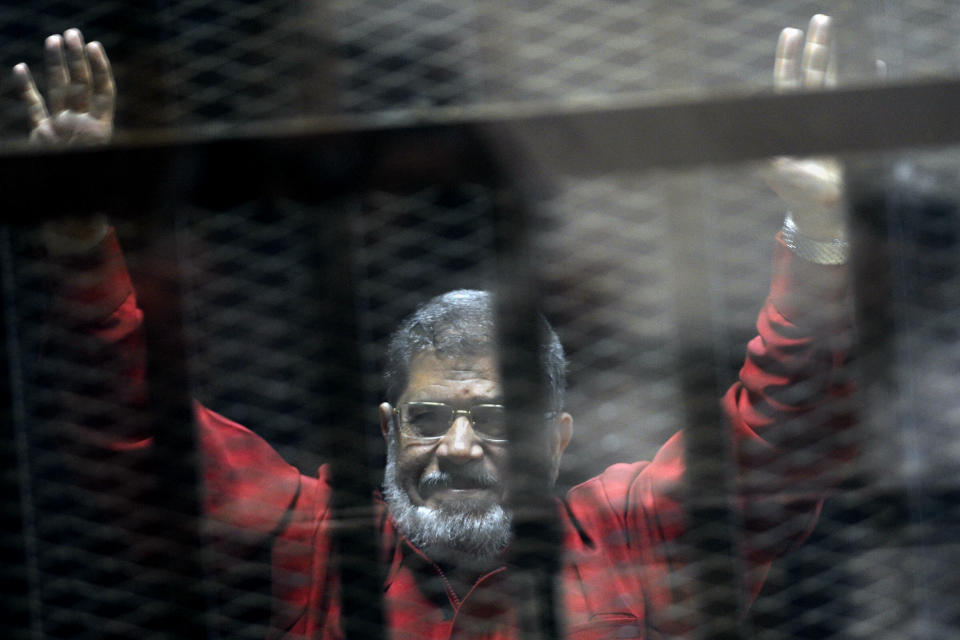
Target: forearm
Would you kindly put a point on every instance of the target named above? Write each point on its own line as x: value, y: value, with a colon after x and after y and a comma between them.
x: 75, y: 236
x: 94, y: 361
x: 792, y: 411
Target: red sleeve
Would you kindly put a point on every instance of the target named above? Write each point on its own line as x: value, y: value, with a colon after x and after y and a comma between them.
x: 98, y: 359
x: 247, y: 484
x: 95, y: 361
x: 789, y: 415
x: 792, y: 409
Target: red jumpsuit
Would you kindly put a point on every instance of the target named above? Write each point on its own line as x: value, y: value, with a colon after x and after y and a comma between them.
x: 620, y: 566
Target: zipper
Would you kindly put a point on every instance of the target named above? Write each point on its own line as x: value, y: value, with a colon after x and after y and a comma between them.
x: 450, y: 592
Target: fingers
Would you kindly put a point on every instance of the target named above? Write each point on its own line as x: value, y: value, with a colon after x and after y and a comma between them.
x: 104, y: 90
x: 786, y: 67
x: 817, y: 52
x: 27, y: 88
x: 807, y: 64
x: 79, y: 88
x: 82, y: 94
x: 72, y: 76
x: 58, y: 78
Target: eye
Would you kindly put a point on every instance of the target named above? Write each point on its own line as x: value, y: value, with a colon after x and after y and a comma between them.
x: 428, y: 421
x: 490, y: 420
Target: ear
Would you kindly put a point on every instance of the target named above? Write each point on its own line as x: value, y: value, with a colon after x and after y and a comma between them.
x: 563, y: 431
x: 386, y: 417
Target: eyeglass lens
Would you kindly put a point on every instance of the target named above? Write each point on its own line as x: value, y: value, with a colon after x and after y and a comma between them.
x: 432, y: 420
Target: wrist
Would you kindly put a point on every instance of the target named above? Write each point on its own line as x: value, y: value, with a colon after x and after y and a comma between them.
x: 825, y: 245
x: 74, y: 236
x: 824, y: 223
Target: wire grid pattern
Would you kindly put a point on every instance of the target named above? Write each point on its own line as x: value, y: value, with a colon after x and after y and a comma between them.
x: 408, y: 54
x: 887, y: 558
x: 84, y: 570
x: 241, y: 61
x: 219, y: 63
x: 257, y: 340
x: 607, y: 275
x: 610, y: 302
x: 254, y: 348
x: 920, y: 49
x: 249, y: 272
x: 922, y: 223
x: 613, y: 309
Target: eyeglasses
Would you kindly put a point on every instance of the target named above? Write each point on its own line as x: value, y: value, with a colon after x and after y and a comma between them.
x: 430, y: 421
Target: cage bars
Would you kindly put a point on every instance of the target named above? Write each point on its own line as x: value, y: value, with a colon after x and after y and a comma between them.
x: 582, y: 142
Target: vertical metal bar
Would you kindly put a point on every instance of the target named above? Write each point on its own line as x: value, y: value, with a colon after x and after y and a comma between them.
x: 710, y: 538
x: 354, y: 472
x: 20, y: 592
x: 887, y: 216
x: 855, y: 510
x: 535, y: 549
x: 174, y: 576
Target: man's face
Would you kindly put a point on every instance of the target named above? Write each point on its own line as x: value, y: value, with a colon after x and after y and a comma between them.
x: 471, y: 467
x: 451, y: 479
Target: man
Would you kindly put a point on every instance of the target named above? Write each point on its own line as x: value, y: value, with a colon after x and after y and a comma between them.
x: 446, y: 524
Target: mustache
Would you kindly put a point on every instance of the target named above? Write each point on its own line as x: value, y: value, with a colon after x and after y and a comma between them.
x: 478, y: 479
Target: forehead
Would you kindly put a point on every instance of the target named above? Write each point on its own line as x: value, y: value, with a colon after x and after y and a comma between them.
x: 452, y: 378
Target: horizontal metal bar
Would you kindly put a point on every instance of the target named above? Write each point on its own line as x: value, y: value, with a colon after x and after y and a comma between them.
x: 734, y: 129
x: 324, y: 156
x: 609, y: 134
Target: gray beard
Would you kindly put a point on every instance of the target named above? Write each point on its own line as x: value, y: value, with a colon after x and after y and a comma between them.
x: 468, y: 533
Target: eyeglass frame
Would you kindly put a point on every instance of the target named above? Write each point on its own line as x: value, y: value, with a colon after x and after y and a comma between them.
x: 454, y: 414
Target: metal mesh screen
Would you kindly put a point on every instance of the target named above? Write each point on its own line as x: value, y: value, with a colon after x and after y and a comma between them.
x: 259, y: 310
x: 215, y: 63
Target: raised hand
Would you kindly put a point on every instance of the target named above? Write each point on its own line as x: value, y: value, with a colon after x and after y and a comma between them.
x: 78, y: 111
x: 81, y: 93
x: 811, y: 187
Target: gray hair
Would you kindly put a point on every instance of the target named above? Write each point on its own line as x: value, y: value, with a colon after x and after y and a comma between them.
x: 461, y: 323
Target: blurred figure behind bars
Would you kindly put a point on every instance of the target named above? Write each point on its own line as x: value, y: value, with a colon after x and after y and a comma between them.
x: 445, y: 517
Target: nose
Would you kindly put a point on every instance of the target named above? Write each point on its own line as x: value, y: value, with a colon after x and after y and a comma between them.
x: 460, y: 444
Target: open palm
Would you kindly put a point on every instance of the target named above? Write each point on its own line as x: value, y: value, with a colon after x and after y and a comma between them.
x: 81, y: 94
x: 79, y: 111
x: 812, y: 188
